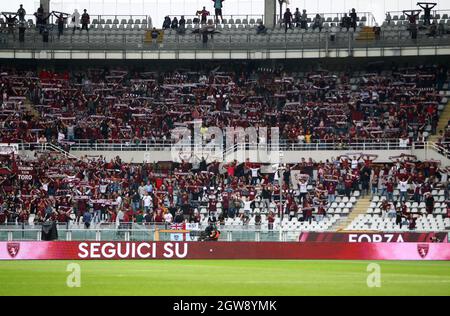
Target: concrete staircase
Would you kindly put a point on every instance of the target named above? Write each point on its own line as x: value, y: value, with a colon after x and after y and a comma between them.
x: 361, y: 207
x: 442, y: 125
x: 366, y: 34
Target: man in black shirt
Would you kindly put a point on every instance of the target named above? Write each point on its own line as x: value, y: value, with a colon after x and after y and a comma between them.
x: 10, y: 22
x: 85, y: 20
x: 21, y: 13
x: 287, y: 19
x: 346, y: 21
x: 427, y: 7
x: 39, y: 18
x: 353, y: 18
x: 60, y: 20
x: 399, y: 215
x: 22, y: 29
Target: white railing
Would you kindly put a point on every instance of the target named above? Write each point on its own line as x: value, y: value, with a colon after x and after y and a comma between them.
x: 127, y: 145
x: 440, y: 148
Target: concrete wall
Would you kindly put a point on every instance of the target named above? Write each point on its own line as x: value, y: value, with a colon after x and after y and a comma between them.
x: 272, y: 158
x: 241, y: 54
x: 46, y: 5
x: 270, y: 11
x: 287, y: 157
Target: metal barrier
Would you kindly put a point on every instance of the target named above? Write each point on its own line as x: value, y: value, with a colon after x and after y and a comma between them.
x: 143, y: 232
x: 434, y: 13
x: 126, y: 145
x: 366, y: 17
x: 140, y: 232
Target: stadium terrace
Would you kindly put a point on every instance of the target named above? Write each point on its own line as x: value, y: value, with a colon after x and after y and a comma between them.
x: 139, y: 159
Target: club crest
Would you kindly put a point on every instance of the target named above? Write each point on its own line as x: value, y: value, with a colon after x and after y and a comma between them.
x: 13, y: 249
x: 423, y: 250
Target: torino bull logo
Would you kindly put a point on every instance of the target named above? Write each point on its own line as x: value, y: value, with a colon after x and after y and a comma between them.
x: 13, y: 249
x: 423, y: 250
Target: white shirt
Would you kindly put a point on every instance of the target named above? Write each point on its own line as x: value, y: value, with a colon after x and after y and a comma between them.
x: 147, y: 200
x: 247, y: 205
x: 76, y: 15
x: 303, y: 187
x: 403, y: 142
x: 403, y: 186
x: 168, y: 217
x: 276, y: 176
x: 354, y: 163
x: 103, y: 188
x: 254, y: 172
x: 120, y: 216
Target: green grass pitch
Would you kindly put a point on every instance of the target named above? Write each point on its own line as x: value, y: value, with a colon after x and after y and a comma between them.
x: 226, y: 277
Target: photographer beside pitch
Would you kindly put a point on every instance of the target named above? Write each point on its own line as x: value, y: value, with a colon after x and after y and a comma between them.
x: 211, y: 233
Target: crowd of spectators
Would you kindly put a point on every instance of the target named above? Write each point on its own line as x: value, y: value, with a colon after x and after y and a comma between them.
x: 316, y: 107
x: 50, y: 186
x: 43, y: 25
x: 300, y: 20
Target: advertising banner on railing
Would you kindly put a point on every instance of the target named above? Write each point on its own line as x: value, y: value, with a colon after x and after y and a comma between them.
x: 59, y: 250
x: 373, y: 237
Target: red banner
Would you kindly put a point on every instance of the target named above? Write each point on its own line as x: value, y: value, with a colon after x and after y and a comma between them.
x: 373, y: 237
x: 59, y: 250
x: 25, y: 173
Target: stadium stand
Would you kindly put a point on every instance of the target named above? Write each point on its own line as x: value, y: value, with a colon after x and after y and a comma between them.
x: 52, y: 112
x: 64, y: 188
x: 134, y: 32
x: 118, y: 105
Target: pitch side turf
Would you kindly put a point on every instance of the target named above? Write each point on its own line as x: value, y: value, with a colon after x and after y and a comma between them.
x: 226, y: 277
